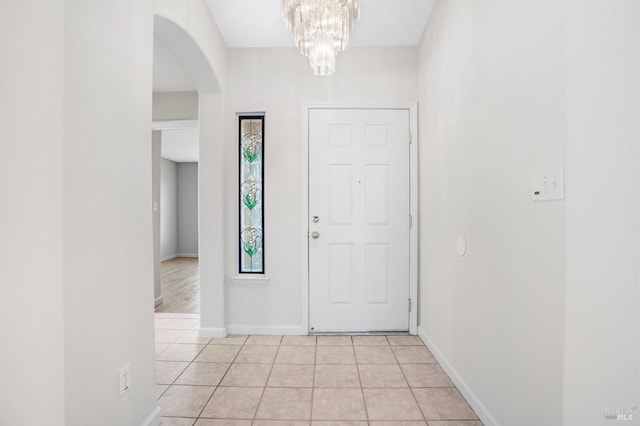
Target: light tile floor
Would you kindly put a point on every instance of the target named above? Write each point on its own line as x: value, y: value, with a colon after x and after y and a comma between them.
x: 300, y: 380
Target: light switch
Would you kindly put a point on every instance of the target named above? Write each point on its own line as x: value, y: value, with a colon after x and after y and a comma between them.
x: 547, y: 185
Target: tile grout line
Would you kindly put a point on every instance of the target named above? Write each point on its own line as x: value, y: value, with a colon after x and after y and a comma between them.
x: 313, y: 379
x: 155, y: 363
x: 409, y: 385
x: 364, y: 401
x: 264, y: 388
x: 181, y: 372
x: 216, y: 387
x: 273, y: 363
x: 433, y: 387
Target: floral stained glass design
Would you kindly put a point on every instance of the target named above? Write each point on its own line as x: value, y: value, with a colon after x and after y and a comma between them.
x: 251, y: 195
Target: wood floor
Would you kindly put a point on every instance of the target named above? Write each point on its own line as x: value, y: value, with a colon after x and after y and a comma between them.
x: 180, y: 282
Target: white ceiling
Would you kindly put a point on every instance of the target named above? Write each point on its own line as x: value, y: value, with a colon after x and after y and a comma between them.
x: 258, y: 23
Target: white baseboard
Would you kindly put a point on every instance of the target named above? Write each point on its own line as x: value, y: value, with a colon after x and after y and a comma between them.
x: 158, y: 301
x: 213, y: 332
x: 154, y: 418
x: 483, y: 413
x: 266, y: 330
x: 187, y: 255
x: 177, y: 255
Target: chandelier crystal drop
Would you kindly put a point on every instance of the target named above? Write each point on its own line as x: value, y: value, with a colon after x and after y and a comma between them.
x: 321, y: 29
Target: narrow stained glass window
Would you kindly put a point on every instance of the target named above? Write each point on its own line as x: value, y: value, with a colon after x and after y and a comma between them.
x: 251, y: 197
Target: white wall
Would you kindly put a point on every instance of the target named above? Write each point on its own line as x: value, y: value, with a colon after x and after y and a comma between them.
x: 278, y: 81
x: 602, y: 358
x: 108, y: 257
x: 156, y: 160
x: 187, y: 209
x: 546, y: 300
x: 31, y: 143
x: 179, y: 209
x: 213, y: 305
x: 79, y: 281
x: 204, y: 53
x: 175, y: 105
x: 492, y: 93
x: 194, y: 36
x: 168, y: 209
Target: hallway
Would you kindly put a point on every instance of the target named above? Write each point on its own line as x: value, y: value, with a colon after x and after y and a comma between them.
x: 526, y: 215
x: 300, y: 380
x: 180, y: 281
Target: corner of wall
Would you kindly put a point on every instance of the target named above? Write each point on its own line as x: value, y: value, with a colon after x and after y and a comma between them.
x: 472, y: 399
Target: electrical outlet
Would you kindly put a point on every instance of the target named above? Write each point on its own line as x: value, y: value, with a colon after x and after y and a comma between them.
x: 125, y: 379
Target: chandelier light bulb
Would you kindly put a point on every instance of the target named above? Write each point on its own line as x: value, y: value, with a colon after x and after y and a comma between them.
x: 321, y: 29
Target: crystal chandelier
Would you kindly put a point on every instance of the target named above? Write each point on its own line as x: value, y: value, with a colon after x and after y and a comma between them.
x: 321, y: 29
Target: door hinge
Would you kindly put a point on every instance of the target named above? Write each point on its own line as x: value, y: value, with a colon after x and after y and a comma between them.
x: 410, y: 221
x: 410, y: 138
x: 409, y: 305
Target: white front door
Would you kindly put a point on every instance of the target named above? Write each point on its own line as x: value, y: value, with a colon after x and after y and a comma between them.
x: 359, y: 206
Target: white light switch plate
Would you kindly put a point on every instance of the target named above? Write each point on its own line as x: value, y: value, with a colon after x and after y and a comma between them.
x: 547, y: 185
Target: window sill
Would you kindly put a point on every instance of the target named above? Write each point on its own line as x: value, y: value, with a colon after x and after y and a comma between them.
x: 250, y: 279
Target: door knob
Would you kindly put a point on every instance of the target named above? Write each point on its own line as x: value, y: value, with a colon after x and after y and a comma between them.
x: 315, y: 235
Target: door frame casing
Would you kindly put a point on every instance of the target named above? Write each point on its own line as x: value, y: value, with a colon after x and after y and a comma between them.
x: 413, y: 204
